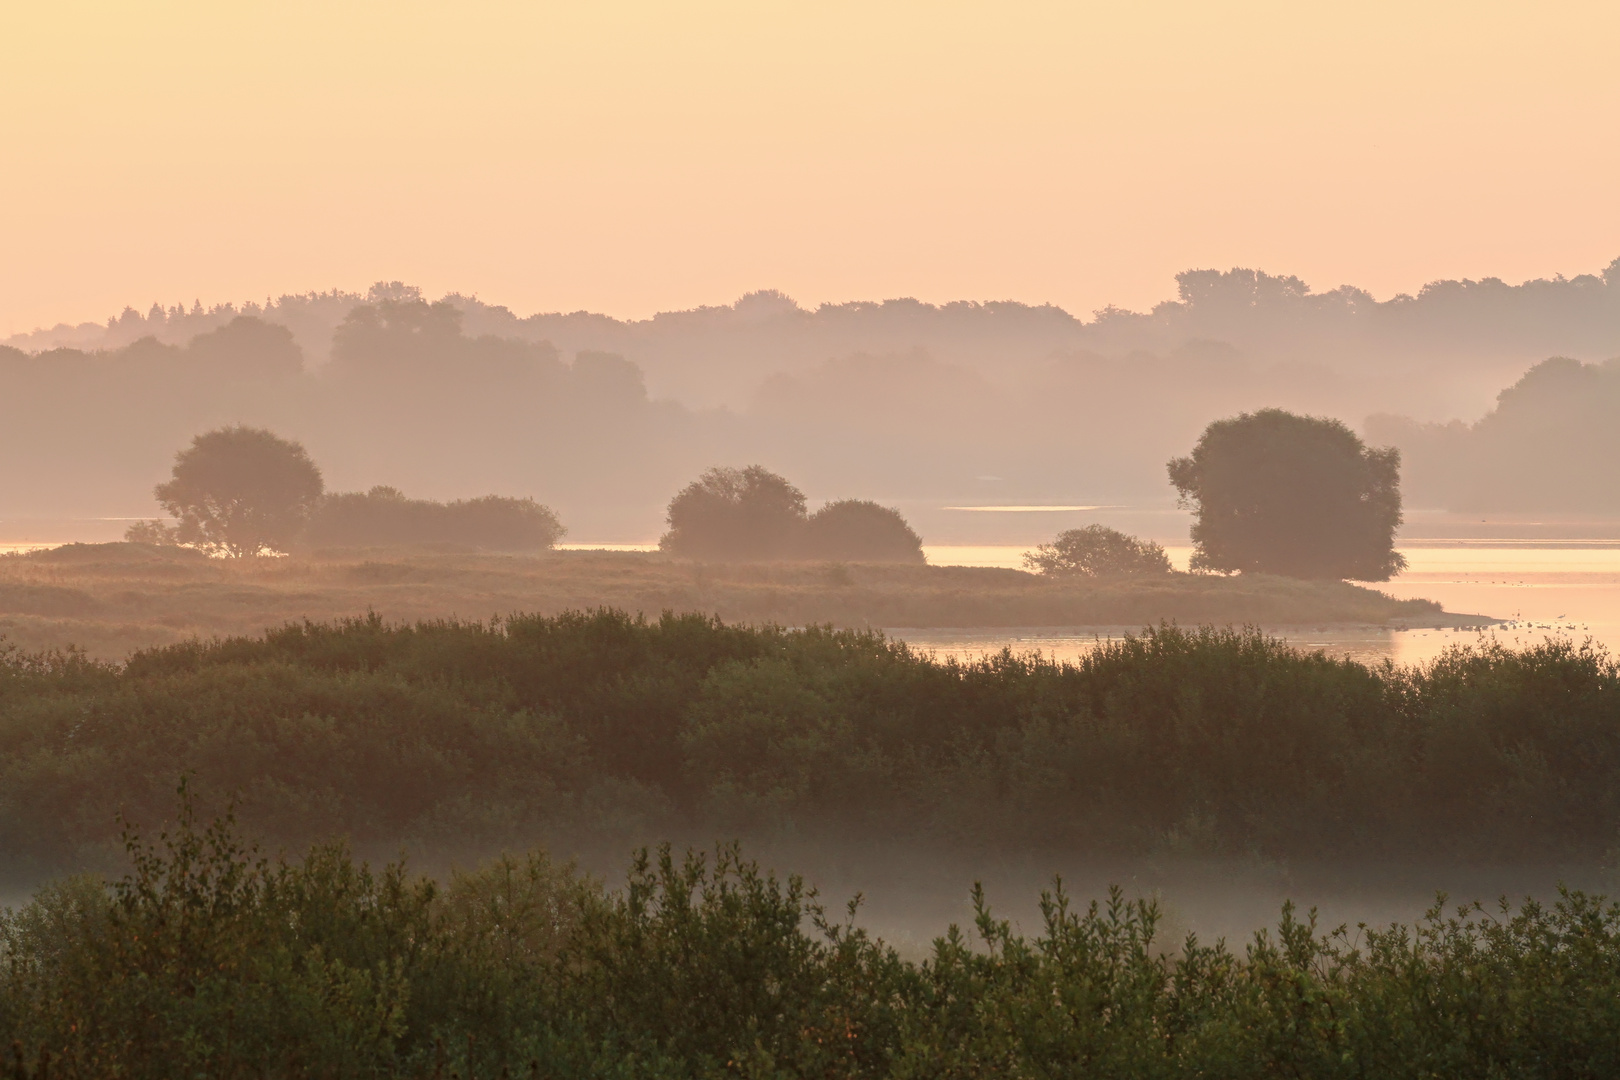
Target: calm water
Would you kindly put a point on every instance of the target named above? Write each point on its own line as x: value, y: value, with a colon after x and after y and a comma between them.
x: 1547, y: 589
x: 1568, y: 590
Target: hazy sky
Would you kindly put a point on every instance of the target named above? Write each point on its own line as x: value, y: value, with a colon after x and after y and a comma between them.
x: 634, y: 157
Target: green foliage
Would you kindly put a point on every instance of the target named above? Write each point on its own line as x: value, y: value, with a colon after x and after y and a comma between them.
x: 384, y: 516
x: 753, y: 514
x: 154, y: 531
x: 205, y: 959
x: 1097, y: 551
x: 1300, y: 496
x: 735, y: 514
x: 854, y: 530
x: 1549, y: 445
x: 441, y: 735
x: 241, y: 491
x: 251, y: 347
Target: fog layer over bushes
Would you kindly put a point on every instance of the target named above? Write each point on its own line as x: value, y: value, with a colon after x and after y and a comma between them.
x: 475, y: 735
x: 205, y: 959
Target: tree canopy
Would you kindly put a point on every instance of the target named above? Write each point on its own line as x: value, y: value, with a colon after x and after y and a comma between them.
x: 1549, y: 446
x: 1097, y: 551
x: 241, y: 491
x: 752, y: 513
x: 385, y: 516
x: 1294, y: 495
x: 749, y: 513
x: 856, y: 530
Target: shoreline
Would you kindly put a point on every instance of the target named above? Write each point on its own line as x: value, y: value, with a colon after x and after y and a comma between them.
x: 111, y: 599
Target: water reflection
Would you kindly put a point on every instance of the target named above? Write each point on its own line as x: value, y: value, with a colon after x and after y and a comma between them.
x: 1367, y: 644
x: 1548, y: 590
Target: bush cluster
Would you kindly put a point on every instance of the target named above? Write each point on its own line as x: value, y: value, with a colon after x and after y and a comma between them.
x: 1098, y: 551
x: 383, y: 516
x: 246, y: 491
x: 1215, y: 741
x: 386, y: 517
x: 206, y: 960
x: 753, y: 514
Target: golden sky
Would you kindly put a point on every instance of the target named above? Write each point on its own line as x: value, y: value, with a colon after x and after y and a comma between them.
x: 635, y: 157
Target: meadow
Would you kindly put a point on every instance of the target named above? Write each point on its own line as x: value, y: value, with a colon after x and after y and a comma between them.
x: 112, y: 599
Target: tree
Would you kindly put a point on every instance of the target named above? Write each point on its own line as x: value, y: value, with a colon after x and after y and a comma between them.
x: 1097, y: 551
x: 853, y: 530
x: 735, y: 514
x: 249, y: 346
x: 1300, y: 496
x: 156, y: 532
x: 241, y: 491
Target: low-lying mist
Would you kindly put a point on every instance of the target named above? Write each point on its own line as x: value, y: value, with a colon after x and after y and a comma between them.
x: 895, y: 401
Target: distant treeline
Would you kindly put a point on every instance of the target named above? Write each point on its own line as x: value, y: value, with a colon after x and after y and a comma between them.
x: 207, y: 960
x: 1266, y: 316
x: 406, y: 397
x: 601, y: 725
x: 1551, y: 444
x: 995, y: 402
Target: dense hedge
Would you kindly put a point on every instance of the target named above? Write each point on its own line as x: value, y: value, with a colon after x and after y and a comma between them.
x: 495, y: 734
x: 206, y: 961
x: 383, y: 517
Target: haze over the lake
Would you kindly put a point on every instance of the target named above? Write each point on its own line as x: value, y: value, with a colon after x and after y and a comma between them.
x: 652, y: 469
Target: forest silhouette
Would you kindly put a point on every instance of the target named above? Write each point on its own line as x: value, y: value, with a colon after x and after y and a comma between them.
x: 991, y: 402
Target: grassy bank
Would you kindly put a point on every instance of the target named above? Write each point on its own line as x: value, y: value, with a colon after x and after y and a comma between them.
x: 468, y: 737
x: 205, y: 960
x: 111, y: 599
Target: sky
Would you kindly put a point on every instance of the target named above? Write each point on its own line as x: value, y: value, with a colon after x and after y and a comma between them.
x: 632, y: 157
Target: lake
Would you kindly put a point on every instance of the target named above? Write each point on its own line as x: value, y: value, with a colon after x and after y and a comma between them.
x: 1567, y: 590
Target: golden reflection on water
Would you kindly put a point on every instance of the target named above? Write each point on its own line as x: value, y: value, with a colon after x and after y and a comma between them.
x: 1568, y: 591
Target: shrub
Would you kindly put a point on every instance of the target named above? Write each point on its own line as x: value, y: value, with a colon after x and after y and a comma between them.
x: 156, y: 532
x: 744, y: 514
x: 735, y: 514
x: 384, y: 516
x: 451, y: 734
x: 1097, y: 551
x: 206, y: 959
x: 853, y: 530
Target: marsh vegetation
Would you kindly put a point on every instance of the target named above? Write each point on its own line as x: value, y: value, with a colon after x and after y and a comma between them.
x: 206, y: 957
x: 472, y: 736
x: 110, y: 599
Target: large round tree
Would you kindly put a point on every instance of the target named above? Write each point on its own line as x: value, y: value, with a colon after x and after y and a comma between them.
x: 1301, y: 496
x: 241, y: 491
